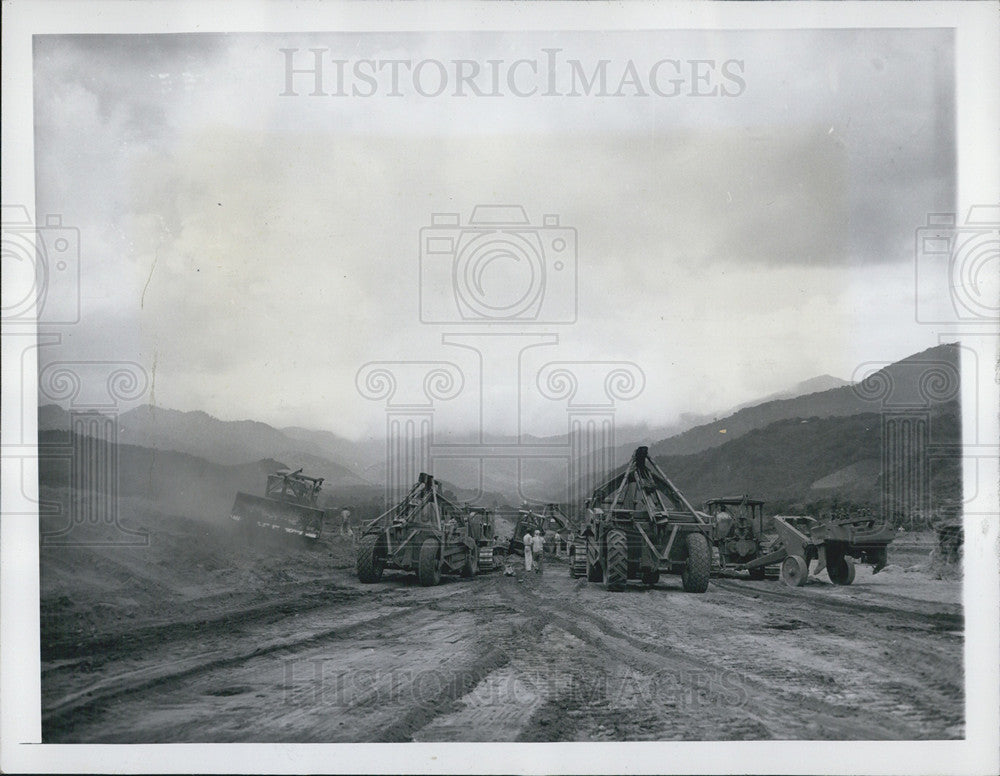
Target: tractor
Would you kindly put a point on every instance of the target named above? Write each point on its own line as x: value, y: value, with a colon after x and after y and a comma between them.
x: 639, y: 526
x: 738, y: 537
x: 289, y: 506
x: 428, y: 534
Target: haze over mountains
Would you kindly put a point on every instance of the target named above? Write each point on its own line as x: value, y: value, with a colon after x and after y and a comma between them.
x: 356, y: 462
x: 819, y: 437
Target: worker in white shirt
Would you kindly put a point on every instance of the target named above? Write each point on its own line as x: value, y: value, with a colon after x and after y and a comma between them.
x: 527, y: 552
x: 538, y: 550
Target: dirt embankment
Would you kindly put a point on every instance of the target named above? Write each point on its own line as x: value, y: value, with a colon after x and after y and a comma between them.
x: 167, y: 573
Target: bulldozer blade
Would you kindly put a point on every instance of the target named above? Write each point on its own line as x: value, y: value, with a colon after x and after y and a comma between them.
x: 263, y: 513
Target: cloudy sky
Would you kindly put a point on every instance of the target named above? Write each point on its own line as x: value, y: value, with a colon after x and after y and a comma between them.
x: 744, y: 213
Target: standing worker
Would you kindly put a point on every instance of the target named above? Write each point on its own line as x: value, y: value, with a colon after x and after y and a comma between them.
x: 527, y: 551
x: 345, y: 521
x: 538, y: 550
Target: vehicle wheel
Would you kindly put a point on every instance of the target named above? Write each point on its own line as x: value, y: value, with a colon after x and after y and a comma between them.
x: 842, y: 571
x: 594, y: 571
x: 650, y: 578
x: 698, y: 568
x: 471, y: 567
x: 794, y: 571
x: 758, y: 573
x: 616, y: 574
x: 578, y: 561
x: 371, y: 558
x: 429, y: 568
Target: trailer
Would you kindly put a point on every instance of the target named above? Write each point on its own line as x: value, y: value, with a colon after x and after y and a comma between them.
x: 834, y: 543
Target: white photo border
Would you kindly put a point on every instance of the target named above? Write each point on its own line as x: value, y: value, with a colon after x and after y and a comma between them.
x: 977, y: 41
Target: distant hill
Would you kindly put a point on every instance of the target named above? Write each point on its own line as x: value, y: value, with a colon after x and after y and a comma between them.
x: 822, y: 448
x: 904, y: 378
x: 361, y: 457
x: 806, y: 387
x: 188, y: 484
x: 225, y: 442
x: 803, y: 461
x: 799, y: 467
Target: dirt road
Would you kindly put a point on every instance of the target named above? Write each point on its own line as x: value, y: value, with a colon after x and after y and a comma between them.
x: 526, y: 658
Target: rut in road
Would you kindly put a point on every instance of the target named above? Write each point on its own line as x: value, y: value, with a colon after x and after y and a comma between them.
x: 158, y: 663
x: 844, y: 696
x: 536, y: 658
x: 920, y: 620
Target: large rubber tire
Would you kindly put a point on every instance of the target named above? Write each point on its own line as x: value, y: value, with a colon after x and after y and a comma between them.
x: 794, y: 571
x: 841, y: 572
x: 578, y: 561
x: 471, y: 567
x: 616, y: 574
x: 595, y: 573
x: 429, y: 568
x: 698, y: 568
x: 371, y: 562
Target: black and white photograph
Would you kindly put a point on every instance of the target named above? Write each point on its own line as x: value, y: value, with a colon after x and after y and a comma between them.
x: 500, y: 387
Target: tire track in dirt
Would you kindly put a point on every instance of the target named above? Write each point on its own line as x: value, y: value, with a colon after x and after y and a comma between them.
x: 110, y: 644
x: 624, y: 686
x: 295, y: 598
x: 88, y: 701
x: 533, y: 659
x: 493, y: 652
x: 771, y: 703
x: 933, y: 686
x: 938, y: 620
x: 91, y: 699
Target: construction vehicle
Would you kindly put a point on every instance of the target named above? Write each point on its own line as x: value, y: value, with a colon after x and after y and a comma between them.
x: 489, y: 559
x: 289, y: 506
x: 428, y: 534
x: 835, y: 543
x: 639, y: 526
x: 950, y: 539
x: 549, y: 521
x: 738, y: 538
